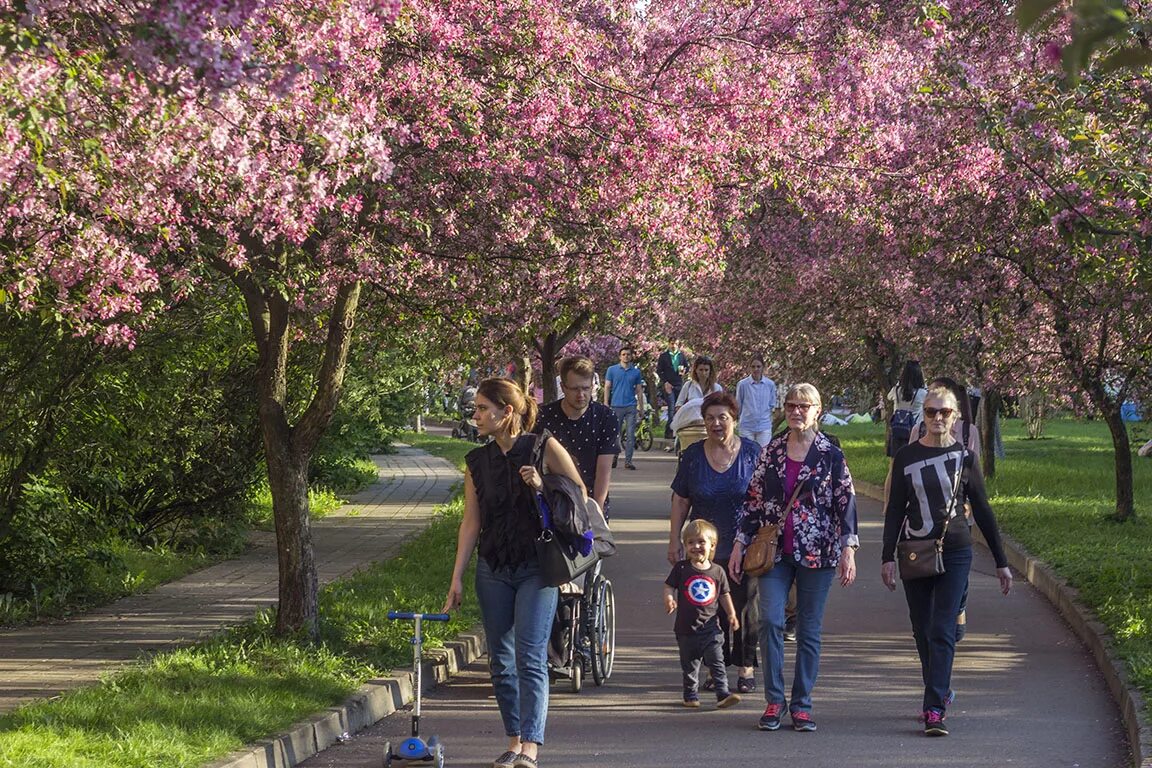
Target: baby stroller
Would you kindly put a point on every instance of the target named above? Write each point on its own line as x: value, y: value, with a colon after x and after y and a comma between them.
x: 466, y: 408
x: 688, y: 425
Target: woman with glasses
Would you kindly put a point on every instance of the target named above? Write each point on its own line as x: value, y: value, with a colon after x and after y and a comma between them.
x: 802, y: 484
x: 964, y: 429
x: 710, y: 484
x: 932, y: 479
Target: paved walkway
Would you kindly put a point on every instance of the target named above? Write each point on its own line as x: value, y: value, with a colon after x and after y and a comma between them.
x: 41, y: 661
x: 1029, y: 695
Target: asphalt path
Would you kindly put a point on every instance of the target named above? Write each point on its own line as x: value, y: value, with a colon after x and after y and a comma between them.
x: 1028, y: 694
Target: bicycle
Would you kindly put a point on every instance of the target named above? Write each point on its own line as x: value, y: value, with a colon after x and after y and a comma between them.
x: 643, y: 431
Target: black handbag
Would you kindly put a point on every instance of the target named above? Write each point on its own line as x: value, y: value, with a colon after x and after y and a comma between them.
x: 559, y: 563
x: 560, y: 558
x: 923, y: 558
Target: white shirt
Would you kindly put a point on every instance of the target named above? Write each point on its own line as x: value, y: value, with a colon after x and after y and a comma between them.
x: 756, y: 400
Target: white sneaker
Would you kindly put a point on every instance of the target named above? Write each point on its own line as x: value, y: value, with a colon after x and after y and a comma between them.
x: 1145, y: 450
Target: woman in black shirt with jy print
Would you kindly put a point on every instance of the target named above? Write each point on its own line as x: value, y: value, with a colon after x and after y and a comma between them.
x: 924, y: 474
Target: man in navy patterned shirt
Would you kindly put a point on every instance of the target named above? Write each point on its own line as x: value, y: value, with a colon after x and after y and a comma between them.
x: 588, y: 430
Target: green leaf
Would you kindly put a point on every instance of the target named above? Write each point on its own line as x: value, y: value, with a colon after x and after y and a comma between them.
x: 1127, y: 58
x: 1028, y: 12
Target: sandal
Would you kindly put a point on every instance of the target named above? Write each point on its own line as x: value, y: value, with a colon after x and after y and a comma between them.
x: 745, y: 684
x: 506, y: 760
x: 523, y: 761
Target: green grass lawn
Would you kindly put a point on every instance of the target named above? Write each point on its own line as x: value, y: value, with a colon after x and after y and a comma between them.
x: 1056, y: 496
x: 450, y: 448
x: 194, y: 705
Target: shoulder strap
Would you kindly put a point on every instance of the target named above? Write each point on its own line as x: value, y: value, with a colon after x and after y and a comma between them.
x: 795, y: 496
x: 538, y: 450
x: 955, y: 490
x: 797, y: 491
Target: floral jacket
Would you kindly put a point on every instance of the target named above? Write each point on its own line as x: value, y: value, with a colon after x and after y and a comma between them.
x: 825, y: 520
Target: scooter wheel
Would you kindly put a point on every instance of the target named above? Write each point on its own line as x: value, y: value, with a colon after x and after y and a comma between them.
x: 387, y: 754
x: 438, y: 755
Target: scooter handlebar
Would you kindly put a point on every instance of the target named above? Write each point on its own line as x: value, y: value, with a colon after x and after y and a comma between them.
x: 423, y: 616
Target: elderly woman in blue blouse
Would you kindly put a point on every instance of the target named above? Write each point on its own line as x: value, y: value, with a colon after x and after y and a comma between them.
x: 817, y: 543
x: 710, y: 484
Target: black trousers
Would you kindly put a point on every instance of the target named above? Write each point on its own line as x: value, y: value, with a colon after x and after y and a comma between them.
x: 706, y: 647
x: 742, y: 646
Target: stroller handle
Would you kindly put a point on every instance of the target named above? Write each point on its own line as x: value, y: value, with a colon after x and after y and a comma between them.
x: 423, y: 616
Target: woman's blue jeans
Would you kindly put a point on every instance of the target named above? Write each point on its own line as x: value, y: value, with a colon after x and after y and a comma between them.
x: 812, y: 586
x: 933, y: 604
x: 517, y: 611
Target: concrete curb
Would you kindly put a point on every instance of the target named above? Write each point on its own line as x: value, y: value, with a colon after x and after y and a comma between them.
x: 375, y: 700
x: 1091, y: 632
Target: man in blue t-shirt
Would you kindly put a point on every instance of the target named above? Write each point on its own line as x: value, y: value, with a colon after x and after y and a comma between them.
x: 624, y: 391
x: 588, y: 430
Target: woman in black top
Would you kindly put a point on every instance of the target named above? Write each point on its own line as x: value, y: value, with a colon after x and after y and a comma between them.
x: 920, y: 505
x: 516, y: 608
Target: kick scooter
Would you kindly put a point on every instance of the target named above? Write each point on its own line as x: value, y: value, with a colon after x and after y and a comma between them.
x: 415, y: 749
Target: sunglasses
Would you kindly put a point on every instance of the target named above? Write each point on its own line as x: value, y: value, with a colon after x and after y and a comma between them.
x: 800, y: 407
x: 931, y: 413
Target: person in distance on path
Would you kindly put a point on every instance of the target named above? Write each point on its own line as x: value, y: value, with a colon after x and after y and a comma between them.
x: 624, y: 393
x: 701, y: 383
x: 670, y: 367
x: 802, y: 484
x: 516, y: 608
x: 920, y: 505
x: 756, y: 396
x: 693, y: 590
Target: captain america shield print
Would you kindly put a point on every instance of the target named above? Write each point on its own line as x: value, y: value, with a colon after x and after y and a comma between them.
x: 701, y: 590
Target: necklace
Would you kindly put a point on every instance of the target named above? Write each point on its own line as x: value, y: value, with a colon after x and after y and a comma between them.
x: 726, y: 454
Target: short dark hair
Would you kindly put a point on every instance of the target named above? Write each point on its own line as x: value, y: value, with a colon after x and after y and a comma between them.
x: 720, y: 398
x: 627, y: 347
x: 581, y: 366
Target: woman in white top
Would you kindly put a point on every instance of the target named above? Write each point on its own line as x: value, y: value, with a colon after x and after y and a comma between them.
x: 701, y: 382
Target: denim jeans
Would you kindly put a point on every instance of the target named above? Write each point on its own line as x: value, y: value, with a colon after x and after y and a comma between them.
x: 709, y: 646
x: 517, y: 612
x: 626, y: 414
x: 932, y: 606
x: 812, y: 586
x: 762, y: 436
x: 670, y: 398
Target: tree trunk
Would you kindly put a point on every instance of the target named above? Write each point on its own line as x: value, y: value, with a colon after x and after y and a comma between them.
x: 1122, y: 448
x: 1089, y: 367
x: 299, y: 585
x: 550, y: 347
x: 884, y: 365
x: 288, y: 449
x: 1033, y: 408
x: 524, y: 375
x: 988, y: 416
x: 548, y: 352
